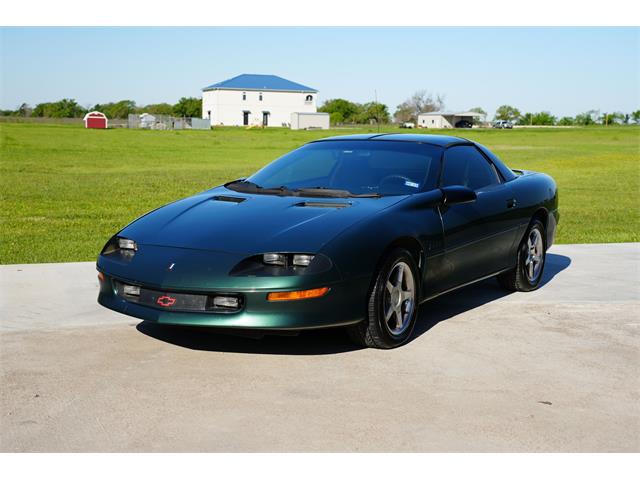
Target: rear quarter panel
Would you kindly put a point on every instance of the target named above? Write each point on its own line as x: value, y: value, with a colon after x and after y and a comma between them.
x: 534, y: 192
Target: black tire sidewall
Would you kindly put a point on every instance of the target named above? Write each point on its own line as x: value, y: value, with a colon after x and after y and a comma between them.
x: 536, y: 224
x: 391, y: 260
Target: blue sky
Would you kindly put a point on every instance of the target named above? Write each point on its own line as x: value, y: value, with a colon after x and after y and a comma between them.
x: 563, y: 70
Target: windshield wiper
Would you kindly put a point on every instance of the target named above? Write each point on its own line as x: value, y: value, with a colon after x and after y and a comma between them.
x: 242, y: 184
x: 247, y: 186
x: 333, y: 193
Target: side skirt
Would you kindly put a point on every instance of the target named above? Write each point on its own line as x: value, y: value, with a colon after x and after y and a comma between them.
x: 426, y: 299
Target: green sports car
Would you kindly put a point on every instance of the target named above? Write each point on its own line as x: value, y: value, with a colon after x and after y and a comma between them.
x: 354, y: 231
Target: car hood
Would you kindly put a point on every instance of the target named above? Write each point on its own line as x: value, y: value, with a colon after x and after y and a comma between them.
x: 227, y: 221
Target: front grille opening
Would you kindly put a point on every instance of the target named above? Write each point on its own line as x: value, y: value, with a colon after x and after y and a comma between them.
x: 219, y: 302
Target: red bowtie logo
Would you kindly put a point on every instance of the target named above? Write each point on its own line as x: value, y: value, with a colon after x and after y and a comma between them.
x: 165, y: 301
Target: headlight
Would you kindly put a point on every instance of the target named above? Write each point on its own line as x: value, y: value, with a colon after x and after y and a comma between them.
x: 127, y: 244
x: 120, y: 244
x: 302, y: 260
x: 287, y: 259
x: 275, y: 264
x: 274, y: 258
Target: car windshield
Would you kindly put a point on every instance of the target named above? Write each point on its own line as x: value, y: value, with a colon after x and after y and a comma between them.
x: 360, y: 167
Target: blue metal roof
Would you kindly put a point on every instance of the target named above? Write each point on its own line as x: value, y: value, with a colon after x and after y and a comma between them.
x: 248, y: 81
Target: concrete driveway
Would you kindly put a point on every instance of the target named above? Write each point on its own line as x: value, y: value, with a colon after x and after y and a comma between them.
x: 553, y: 370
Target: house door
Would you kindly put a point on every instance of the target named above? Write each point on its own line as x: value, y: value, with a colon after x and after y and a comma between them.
x: 265, y: 119
x: 245, y: 118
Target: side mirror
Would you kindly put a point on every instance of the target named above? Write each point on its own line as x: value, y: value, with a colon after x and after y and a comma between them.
x: 457, y: 194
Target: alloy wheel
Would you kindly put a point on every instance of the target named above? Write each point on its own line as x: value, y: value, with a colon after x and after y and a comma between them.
x: 399, y: 298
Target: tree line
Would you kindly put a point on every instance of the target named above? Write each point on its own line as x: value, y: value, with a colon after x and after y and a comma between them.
x: 344, y: 111
x: 69, y: 108
x: 591, y: 117
x: 340, y: 110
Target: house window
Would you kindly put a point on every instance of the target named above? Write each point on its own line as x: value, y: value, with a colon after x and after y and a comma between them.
x: 308, y: 99
x: 244, y: 95
x: 260, y: 96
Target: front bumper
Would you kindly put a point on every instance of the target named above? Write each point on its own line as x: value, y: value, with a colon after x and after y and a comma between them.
x: 344, y: 304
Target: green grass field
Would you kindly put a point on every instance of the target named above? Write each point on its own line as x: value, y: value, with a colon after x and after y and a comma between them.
x: 65, y: 189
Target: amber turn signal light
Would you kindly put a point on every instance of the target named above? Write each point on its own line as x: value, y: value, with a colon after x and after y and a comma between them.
x: 101, y: 277
x: 299, y: 295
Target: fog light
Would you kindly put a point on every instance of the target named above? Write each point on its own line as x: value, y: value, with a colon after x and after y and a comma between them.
x: 131, y: 290
x: 298, y: 295
x: 302, y: 260
x: 226, y: 302
x: 126, y: 244
x: 274, y: 258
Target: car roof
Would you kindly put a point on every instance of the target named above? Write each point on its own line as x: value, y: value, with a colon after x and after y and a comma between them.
x: 439, y: 140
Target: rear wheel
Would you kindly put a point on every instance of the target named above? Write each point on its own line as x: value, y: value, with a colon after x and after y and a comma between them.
x: 392, y: 304
x: 532, y: 254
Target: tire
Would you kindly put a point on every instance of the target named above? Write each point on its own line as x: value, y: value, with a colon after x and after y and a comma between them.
x: 525, y: 277
x: 392, y: 304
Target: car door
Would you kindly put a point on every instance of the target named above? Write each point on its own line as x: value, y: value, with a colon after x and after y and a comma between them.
x: 477, y: 235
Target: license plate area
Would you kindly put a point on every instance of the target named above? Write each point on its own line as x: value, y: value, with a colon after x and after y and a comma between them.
x: 178, y: 301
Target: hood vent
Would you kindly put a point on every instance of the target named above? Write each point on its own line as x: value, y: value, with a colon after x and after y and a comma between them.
x: 323, y: 204
x: 226, y: 198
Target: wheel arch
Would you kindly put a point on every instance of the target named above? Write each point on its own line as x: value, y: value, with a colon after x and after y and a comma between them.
x: 542, y: 214
x: 412, y: 245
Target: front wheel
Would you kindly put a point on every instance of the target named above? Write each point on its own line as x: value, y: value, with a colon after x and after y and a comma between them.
x: 530, y: 261
x: 392, y: 304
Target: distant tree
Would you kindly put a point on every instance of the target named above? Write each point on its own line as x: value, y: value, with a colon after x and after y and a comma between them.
x: 636, y: 116
x: 507, y: 112
x: 188, y: 107
x: 566, y: 121
x: 420, y: 102
x: 157, y: 108
x: 611, y: 118
x: 587, y: 118
x: 544, y: 118
x: 120, y: 109
x: 341, y: 110
x: 373, y: 112
x: 40, y: 110
x: 478, y: 120
x: 525, y: 119
x: 540, y: 118
x: 336, y: 118
x: 65, y: 108
x: 24, y: 110
x: 404, y: 113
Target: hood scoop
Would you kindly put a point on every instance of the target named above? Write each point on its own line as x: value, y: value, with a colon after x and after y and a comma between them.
x: 228, y: 198
x: 323, y: 204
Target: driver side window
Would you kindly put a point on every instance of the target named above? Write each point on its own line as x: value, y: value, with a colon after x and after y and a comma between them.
x: 465, y: 165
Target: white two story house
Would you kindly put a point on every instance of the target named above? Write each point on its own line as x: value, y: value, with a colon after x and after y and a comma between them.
x: 264, y: 100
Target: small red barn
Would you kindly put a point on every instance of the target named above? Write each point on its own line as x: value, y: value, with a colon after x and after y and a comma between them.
x: 95, y: 120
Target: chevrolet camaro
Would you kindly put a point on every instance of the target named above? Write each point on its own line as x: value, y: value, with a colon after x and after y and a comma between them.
x: 355, y: 231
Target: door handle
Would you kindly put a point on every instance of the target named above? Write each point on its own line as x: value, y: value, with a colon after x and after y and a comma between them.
x: 511, y: 203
